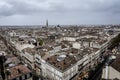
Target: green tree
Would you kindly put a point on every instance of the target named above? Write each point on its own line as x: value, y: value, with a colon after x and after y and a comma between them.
x: 40, y: 42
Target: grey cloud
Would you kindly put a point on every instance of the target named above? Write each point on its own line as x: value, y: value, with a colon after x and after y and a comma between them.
x: 73, y: 11
x: 38, y: 6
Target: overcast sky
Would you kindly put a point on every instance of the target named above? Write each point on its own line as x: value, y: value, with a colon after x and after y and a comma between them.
x: 35, y: 12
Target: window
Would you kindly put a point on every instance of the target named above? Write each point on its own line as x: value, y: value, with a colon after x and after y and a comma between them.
x: 37, y: 58
x: 28, y: 75
x: 17, y: 78
x: 23, y: 77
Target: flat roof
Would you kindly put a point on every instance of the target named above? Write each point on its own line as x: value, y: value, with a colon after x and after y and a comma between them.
x: 62, y: 64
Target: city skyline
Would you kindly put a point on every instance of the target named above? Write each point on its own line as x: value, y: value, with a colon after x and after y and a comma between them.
x: 72, y: 12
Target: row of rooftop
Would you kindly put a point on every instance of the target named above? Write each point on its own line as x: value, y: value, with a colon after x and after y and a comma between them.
x: 60, y: 48
x: 11, y: 67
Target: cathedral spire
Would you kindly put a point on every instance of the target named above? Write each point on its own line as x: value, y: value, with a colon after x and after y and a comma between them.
x: 47, y: 27
x: 46, y: 23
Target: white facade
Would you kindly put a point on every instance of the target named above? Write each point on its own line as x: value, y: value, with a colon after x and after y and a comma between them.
x: 68, y: 39
x: 111, y: 73
x: 56, y: 74
x: 20, y: 47
x: 76, y: 45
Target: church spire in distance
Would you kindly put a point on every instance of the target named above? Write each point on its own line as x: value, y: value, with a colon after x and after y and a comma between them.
x: 47, y: 26
x: 46, y: 23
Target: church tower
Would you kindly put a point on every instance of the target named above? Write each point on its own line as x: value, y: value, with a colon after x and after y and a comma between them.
x: 47, y: 27
x: 47, y: 23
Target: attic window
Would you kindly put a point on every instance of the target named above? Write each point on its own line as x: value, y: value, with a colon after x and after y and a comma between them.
x: 48, y: 58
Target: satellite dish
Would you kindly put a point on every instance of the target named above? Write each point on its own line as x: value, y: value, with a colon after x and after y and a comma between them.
x: 61, y: 57
x: 11, y: 65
